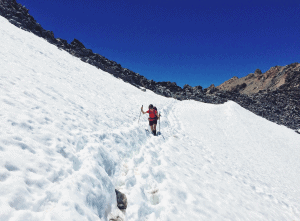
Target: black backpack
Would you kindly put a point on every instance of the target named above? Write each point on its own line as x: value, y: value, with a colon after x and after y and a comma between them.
x: 156, y: 112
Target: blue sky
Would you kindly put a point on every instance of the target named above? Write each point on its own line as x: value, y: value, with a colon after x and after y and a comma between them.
x: 187, y: 42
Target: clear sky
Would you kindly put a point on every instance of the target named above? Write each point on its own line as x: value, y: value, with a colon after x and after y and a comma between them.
x: 188, y: 42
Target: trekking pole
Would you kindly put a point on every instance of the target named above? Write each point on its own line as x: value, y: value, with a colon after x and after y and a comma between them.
x: 140, y: 115
x: 159, y: 124
x: 159, y: 127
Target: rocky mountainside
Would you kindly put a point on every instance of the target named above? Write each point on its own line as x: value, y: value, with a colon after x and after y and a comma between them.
x: 277, y: 77
x: 273, y: 95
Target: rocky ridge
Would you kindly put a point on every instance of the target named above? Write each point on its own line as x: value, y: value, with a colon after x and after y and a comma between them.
x: 276, y: 100
x: 273, y: 95
x: 276, y: 78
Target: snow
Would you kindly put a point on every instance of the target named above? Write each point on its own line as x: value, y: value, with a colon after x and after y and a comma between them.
x: 70, y: 136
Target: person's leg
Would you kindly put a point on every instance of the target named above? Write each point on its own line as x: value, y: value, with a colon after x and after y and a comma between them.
x: 151, y: 125
x: 154, y: 129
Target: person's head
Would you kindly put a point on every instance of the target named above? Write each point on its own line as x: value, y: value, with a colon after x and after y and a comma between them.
x: 150, y: 106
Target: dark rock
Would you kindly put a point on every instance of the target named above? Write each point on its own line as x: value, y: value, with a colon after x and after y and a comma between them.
x: 258, y: 71
x: 211, y: 89
x: 61, y: 43
x: 49, y: 35
x: 121, y: 200
x: 77, y: 44
x: 187, y: 87
x: 239, y: 87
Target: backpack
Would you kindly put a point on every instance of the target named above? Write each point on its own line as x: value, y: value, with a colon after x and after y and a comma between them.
x: 155, y: 117
x: 156, y: 112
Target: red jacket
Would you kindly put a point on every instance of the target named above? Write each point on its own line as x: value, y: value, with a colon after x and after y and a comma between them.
x: 152, y: 115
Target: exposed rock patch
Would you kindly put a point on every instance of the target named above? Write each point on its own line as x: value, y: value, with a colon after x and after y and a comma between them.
x: 121, y: 200
x: 275, y: 78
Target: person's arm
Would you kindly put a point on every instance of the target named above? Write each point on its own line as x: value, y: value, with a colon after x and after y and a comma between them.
x: 143, y: 110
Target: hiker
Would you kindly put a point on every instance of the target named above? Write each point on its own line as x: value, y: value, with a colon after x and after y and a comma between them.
x: 153, y: 117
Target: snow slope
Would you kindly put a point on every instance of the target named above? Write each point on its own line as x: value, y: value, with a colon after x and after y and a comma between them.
x: 69, y: 136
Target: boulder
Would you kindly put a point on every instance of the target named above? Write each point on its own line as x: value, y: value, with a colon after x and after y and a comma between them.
x: 77, y: 44
x: 121, y: 200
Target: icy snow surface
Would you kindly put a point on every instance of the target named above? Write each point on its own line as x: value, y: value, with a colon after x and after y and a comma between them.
x: 69, y: 135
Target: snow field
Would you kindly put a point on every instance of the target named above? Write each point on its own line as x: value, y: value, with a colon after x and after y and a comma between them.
x: 259, y: 156
x: 65, y: 128
x: 70, y: 135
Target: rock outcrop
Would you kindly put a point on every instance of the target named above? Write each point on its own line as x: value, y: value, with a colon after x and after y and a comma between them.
x: 273, y: 95
x: 277, y: 77
x: 121, y: 200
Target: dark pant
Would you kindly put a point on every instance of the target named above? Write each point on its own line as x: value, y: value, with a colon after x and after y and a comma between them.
x: 151, y: 122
